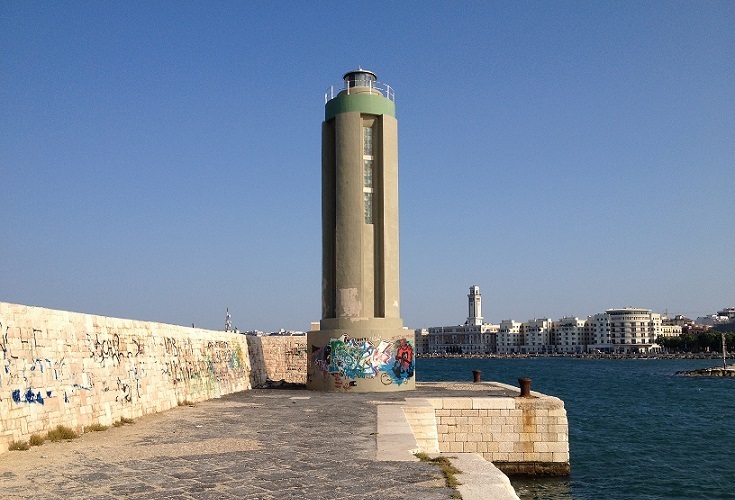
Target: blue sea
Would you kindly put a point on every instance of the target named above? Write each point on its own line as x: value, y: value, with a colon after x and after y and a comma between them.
x: 636, y: 430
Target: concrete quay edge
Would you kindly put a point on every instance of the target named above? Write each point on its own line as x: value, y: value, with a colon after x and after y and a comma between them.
x: 404, y: 429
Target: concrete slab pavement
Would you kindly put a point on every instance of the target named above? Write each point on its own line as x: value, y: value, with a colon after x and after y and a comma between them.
x: 259, y: 444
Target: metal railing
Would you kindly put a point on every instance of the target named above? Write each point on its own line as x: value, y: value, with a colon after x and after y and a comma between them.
x: 374, y: 88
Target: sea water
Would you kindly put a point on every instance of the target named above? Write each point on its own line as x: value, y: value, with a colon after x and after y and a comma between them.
x: 636, y: 430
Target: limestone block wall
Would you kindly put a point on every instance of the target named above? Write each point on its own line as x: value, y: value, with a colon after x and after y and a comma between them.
x: 74, y: 369
x: 524, y: 436
x: 277, y: 358
x: 528, y: 436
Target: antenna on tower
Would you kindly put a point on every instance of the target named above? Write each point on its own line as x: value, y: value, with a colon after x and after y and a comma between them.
x: 228, y: 321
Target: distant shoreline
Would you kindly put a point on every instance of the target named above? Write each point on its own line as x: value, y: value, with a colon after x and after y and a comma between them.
x: 678, y: 355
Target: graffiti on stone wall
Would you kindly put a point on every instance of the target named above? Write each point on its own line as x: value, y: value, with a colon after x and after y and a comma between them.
x: 177, y: 347
x: 105, y: 347
x: 218, y: 361
x: 30, y: 395
x: 182, y: 370
x: 3, y: 339
x: 295, y: 357
x: 222, y: 359
x: 31, y: 372
x: 353, y: 359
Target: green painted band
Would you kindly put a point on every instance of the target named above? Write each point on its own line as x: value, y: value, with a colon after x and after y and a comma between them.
x: 363, y: 103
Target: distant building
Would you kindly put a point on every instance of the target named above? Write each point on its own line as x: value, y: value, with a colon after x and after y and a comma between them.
x: 509, y: 337
x: 475, y: 306
x: 537, y: 336
x: 462, y: 339
x: 287, y: 333
x: 668, y: 330
x: 279, y: 333
x: 421, y: 339
x: 474, y: 337
x: 723, y: 321
x: 633, y: 329
x: 624, y: 330
x: 678, y: 320
x: 597, y: 329
x: 709, y: 320
x: 568, y: 335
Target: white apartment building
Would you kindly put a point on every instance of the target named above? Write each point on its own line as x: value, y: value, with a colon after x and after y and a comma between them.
x: 568, y: 335
x: 598, y: 332
x: 509, y: 337
x: 633, y: 329
x: 537, y: 337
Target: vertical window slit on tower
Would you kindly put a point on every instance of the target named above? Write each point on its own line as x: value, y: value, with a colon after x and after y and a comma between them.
x: 367, y: 141
x: 367, y: 166
x: 368, y: 208
x: 368, y: 173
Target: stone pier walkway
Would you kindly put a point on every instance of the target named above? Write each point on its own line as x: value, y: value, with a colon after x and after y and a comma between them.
x: 259, y: 444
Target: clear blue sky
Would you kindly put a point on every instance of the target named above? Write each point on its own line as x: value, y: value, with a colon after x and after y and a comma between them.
x: 161, y: 160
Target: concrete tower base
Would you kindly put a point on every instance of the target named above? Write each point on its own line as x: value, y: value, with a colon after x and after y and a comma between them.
x: 367, y: 359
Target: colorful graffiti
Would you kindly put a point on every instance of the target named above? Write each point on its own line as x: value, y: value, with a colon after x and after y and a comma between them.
x: 351, y: 358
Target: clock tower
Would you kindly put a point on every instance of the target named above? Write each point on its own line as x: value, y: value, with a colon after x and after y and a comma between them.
x: 474, y: 316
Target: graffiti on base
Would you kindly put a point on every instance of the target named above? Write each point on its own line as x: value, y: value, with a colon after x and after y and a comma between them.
x: 393, y: 362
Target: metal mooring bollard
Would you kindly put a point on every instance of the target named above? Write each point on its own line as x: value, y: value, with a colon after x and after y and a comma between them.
x: 476, y: 376
x: 525, y: 387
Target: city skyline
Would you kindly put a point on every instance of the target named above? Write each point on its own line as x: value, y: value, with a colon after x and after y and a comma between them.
x: 162, y: 161
x: 475, y: 291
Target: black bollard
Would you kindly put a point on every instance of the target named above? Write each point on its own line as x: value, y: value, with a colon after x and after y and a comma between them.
x: 525, y: 387
x: 476, y: 376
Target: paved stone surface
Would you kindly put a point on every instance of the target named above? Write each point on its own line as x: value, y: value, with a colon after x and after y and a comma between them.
x: 259, y: 444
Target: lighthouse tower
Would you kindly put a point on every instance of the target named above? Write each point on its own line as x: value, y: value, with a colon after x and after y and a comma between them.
x: 361, y: 345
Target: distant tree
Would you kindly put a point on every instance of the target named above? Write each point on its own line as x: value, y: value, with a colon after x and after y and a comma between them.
x: 672, y: 343
x: 729, y: 340
x: 709, y: 341
x: 664, y: 342
x: 688, y: 342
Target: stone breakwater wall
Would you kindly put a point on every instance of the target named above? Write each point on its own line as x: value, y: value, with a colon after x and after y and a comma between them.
x: 74, y: 369
x: 277, y: 358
